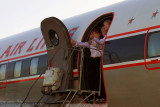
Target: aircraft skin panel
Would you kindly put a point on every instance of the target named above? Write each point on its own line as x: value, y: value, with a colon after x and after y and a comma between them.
x: 132, y: 86
x: 16, y: 92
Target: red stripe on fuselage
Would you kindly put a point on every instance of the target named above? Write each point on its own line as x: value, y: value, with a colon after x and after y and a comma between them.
x: 23, y: 56
x: 22, y: 80
x: 74, y: 73
x: 127, y: 33
x: 113, y: 36
x: 105, y: 68
x: 123, y: 66
x: 132, y: 32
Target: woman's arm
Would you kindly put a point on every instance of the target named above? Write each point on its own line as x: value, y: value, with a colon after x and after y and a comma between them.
x: 83, y: 44
x: 101, y: 41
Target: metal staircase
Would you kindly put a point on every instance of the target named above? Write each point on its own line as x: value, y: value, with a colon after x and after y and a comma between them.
x: 70, y: 95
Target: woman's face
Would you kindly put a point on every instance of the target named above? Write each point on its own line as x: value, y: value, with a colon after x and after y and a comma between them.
x: 96, y: 34
x: 106, y: 25
x: 103, y: 31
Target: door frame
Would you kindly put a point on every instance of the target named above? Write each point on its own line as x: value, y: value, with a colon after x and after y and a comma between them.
x: 152, y: 60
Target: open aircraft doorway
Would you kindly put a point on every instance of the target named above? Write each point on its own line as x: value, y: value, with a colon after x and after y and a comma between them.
x: 58, y: 45
x: 91, y: 72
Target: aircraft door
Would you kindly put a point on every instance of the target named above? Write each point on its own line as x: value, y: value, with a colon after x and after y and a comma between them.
x: 152, y: 50
x: 58, y: 46
x: 59, y: 53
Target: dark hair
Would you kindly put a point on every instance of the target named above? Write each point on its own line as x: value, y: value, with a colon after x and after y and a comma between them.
x: 108, y: 21
x: 97, y: 30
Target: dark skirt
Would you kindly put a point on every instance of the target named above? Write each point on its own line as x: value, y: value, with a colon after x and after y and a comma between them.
x: 94, y: 73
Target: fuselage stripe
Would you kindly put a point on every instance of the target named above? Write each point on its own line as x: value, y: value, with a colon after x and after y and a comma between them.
x: 76, y: 72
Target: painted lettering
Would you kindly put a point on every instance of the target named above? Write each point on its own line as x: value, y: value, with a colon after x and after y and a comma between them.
x: 20, y: 47
x: 43, y: 45
x: 72, y: 31
x: 39, y: 43
x: 31, y: 46
x: 6, y: 52
x: 14, y: 49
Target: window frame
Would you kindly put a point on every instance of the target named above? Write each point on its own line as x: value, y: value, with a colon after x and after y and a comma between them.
x: 4, y: 72
x: 20, y: 68
x: 147, y: 47
x: 30, y: 70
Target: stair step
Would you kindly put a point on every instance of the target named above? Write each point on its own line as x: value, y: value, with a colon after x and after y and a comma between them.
x: 59, y: 102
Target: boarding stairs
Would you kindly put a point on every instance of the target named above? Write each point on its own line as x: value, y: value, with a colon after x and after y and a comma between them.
x: 70, y: 95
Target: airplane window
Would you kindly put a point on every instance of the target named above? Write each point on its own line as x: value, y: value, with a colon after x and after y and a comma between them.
x: 17, y: 69
x: 153, y: 45
x: 124, y: 49
x: 34, y: 66
x: 2, y: 72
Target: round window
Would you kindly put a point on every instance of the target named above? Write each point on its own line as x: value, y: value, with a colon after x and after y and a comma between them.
x: 53, y: 36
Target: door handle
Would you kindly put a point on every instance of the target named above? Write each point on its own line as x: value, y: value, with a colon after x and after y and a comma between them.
x: 154, y: 61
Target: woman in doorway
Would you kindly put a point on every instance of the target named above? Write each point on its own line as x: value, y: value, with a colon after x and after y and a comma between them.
x: 94, y: 61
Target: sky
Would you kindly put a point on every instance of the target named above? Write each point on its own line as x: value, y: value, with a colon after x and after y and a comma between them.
x: 17, y: 16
